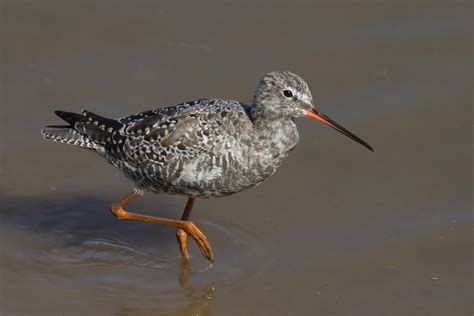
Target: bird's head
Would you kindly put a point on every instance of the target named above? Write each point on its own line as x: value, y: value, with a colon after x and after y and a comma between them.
x: 282, y: 94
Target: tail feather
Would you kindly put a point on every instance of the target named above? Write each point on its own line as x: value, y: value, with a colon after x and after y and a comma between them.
x: 70, y: 117
x: 87, y: 129
x: 67, y: 135
x: 93, y: 132
x: 103, y: 122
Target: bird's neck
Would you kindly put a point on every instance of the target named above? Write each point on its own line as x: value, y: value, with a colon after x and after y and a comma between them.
x: 274, y: 135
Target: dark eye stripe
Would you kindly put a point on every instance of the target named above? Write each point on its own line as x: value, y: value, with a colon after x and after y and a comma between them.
x: 287, y: 93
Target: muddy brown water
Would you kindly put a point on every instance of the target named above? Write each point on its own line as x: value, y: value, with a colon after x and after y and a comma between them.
x: 336, y: 231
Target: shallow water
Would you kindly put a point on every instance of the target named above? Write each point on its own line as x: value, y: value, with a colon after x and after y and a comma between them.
x: 337, y: 231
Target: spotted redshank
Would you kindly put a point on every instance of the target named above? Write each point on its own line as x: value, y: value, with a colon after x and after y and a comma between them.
x: 200, y: 149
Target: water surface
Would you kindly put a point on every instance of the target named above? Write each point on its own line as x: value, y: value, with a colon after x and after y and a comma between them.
x: 336, y: 231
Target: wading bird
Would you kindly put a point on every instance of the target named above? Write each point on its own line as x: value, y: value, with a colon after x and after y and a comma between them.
x: 200, y: 149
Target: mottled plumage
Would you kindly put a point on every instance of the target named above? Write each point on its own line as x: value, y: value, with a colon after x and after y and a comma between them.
x: 204, y: 148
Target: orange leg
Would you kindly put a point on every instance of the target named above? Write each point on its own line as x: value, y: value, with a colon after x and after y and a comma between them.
x: 181, y: 235
x: 184, y: 226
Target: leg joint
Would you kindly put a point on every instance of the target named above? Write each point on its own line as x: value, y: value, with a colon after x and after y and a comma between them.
x: 181, y: 234
x: 118, y: 211
x: 189, y: 226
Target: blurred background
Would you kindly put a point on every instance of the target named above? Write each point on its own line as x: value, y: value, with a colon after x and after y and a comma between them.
x: 338, y: 230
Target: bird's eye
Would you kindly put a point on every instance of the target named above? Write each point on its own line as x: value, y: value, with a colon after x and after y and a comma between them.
x: 287, y: 93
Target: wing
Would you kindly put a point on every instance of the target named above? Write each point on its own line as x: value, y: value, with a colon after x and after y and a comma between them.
x: 173, y: 135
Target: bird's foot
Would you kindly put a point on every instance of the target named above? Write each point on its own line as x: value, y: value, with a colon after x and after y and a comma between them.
x: 190, y: 229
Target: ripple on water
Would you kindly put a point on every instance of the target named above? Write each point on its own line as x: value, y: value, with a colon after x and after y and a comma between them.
x: 72, y: 252
x: 243, y: 253
x: 136, y: 265
x: 240, y: 253
x: 103, y: 251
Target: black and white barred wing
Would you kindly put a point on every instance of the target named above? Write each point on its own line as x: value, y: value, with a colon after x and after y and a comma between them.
x: 178, y: 149
x: 191, y: 131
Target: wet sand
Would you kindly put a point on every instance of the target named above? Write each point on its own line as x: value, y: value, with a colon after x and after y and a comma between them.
x: 336, y: 231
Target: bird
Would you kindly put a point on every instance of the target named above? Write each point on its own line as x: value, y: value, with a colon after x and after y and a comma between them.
x: 206, y: 148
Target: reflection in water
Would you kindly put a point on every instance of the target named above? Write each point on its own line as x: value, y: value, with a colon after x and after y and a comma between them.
x: 198, y: 304
x: 197, y: 298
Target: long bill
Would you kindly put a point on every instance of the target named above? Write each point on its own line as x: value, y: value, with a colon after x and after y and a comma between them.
x: 329, y: 122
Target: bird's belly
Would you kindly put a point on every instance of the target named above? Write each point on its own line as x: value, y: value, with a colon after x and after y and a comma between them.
x: 216, y: 177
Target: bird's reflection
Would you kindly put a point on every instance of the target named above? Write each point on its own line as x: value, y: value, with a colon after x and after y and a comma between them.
x: 198, y: 304
x: 197, y: 298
